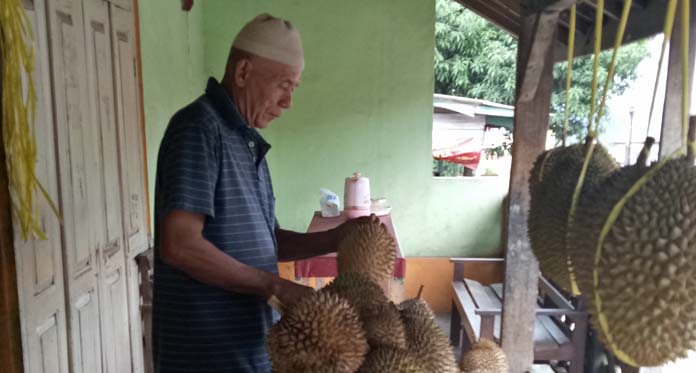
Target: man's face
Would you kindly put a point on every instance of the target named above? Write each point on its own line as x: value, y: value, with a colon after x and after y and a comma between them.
x: 269, y: 90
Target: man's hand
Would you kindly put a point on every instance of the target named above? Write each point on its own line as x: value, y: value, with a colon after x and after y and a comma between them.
x: 289, y: 292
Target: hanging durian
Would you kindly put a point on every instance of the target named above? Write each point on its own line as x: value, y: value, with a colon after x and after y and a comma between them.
x: 367, y: 248
x: 485, y: 357
x: 319, y: 333
x: 593, y: 208
x: 552, y: 182
x: 425, y: 339
x: 390, y: 360
x: 643, y: 279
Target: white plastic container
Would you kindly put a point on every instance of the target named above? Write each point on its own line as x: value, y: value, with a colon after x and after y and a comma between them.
x: 356, y: 196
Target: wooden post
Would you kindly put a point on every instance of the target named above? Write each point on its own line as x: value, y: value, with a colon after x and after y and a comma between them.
x: 534, y: 62
x: 671, y: 134
x: 10, y: 334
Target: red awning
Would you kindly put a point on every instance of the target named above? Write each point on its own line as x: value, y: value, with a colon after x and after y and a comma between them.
x: 464, y: 152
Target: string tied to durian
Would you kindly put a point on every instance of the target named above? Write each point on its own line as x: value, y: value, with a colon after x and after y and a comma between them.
x: 688, y: 148
x: 592, y: 132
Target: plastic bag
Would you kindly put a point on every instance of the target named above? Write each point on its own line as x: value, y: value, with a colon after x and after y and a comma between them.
x: 330, y: 204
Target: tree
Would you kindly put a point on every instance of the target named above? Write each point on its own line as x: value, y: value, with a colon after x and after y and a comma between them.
x: 474, y: 58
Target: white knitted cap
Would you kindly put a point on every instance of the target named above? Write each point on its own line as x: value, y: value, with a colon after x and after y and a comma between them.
x: 272, y: 38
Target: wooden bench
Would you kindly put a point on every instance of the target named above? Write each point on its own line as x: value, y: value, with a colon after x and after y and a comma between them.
x: 559, y: 332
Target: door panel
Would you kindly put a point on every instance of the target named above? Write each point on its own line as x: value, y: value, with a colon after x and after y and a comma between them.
x: 133, y: 156
x: 106, y: 191
x: 74, y: 139
x: 85, y: 316
x: 132, y: 170
x: 40, y: 283
x: 48, y: 336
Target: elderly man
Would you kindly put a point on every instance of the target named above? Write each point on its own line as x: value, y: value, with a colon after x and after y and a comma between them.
x: 217, y: 238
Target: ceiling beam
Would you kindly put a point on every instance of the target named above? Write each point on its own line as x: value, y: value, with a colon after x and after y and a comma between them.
x: 499, y: 14
x: 641, y: 24
x: 538, y: 6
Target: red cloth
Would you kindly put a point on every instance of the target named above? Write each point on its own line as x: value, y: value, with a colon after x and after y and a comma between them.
x: 463, y: 152
x: 325, y: 265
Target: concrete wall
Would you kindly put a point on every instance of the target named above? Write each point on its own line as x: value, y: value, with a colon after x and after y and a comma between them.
x: 172, y: 47
x: 365, y: 103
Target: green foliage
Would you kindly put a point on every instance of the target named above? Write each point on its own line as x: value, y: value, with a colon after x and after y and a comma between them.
x: 474, y: 58
x: 446, y: 168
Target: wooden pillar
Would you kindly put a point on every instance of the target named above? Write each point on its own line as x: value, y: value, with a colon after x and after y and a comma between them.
x: 534, y: 80
x: 10, y: 334
x: 671, y: 134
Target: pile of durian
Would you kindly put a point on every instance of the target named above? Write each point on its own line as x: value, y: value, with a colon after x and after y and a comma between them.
x: 351, y: 326
x: 629, y: 248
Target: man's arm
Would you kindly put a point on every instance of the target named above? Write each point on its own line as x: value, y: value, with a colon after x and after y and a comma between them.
x: 183, y: 246
x: 295, y: 246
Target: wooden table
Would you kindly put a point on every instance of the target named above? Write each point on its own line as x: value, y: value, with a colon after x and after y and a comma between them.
x: 322, y: 267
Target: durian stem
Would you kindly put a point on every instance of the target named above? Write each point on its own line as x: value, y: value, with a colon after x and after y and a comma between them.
x: 420, y: 292
x: 276, y: 304
x: 645, y: 152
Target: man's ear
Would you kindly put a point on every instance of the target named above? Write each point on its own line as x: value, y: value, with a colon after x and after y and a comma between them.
x: 242, y: 72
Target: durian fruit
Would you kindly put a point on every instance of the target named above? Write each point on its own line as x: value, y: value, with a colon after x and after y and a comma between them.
x: 367, y: 248
x: 319, y: 333
x: 384, y: 328
x: 644, y: 303
x: 391, y: 360
x: 552, y: 183
x: 358, y: 289
x: 380, y: 317
x: 485, y: 357
x: 593, y: 208
x: 425, y: 339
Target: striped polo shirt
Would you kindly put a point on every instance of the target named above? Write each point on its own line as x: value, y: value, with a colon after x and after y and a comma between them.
x: 211, y: 163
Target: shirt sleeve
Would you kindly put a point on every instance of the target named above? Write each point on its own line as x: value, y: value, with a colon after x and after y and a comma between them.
x: 188, y: 170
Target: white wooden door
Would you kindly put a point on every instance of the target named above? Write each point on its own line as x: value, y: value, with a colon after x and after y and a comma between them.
x: 78, y: 291
x: 130, y: 127
x: 75, y: 137
x: 132, y: 161
x: 39, y: 263
x: 105, y: 190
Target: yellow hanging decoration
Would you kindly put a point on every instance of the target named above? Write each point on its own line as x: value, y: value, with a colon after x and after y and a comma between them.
x: 18, y: 106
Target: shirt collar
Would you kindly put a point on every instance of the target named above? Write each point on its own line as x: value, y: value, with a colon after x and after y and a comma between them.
x: 222, y: 101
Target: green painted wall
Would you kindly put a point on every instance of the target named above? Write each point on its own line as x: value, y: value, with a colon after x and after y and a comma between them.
x: 365, y: 103
x: 172, y: 48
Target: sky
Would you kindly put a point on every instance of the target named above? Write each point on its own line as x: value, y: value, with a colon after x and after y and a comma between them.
x: 638, y: 96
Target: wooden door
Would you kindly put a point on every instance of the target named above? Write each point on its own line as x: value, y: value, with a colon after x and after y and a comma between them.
x: 105, y: 189
x: 130, y: 127
x: 40, y: 285
x: 74, y: 139
x: 133, y: 182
